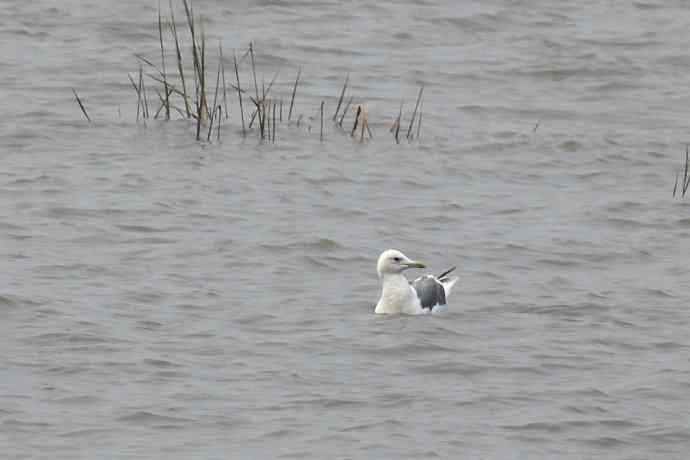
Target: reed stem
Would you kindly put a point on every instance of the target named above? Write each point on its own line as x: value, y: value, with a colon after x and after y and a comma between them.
x: 340, y: 100
x: 239, y: 92
x: 294, y: 90
x: 321, y: 132
x: 165, y: 78
x: 414, y: 113
x: 81, y: 105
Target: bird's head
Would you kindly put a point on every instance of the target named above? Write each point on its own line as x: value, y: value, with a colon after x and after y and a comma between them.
x: 393, y: 261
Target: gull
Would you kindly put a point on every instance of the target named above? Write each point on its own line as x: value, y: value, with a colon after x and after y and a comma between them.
x: 426, y: 294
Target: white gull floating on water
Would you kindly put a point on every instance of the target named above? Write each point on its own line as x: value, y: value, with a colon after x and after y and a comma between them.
x: 425, y: 294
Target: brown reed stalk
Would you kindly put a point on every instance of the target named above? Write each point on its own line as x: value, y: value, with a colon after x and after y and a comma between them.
x: 178, y: 54
x: 281, y: 110
x: 414, y: 113
x: 321, y: 132
x: 81, y: 105
x: 342, y: 117
x: 299, y: 120
x: 253, y: 117
x: 239, y: 91
x: 340, y: 100
x: 165, y: 78
x: 675, y: 185
x: 294, y: 90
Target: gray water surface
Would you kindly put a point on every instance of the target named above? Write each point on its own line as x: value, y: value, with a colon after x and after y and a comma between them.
x: 164, y: 298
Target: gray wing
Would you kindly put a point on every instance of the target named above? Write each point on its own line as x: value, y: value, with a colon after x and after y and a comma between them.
x: 429, y: 291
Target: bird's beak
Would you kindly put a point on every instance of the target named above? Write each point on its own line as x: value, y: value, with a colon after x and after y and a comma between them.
x: 413, y: 264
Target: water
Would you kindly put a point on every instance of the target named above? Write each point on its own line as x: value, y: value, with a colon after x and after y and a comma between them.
x: 163, y: 298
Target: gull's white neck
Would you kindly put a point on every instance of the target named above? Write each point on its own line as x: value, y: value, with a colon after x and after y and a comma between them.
x: 397, y: 296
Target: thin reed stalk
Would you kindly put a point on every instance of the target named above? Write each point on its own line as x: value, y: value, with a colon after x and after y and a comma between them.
x: 138, y: 91
x: 81, y: 105
x: 251, y: 54
x: 357, y: 114
x: 342, y: 117
x: 215, y: 95
x: 321, y: 132
x: 274, y: 122
x: 165, y: 78
x: 294, y: 90
x: 219, y: 123
x: 239, y: 92
x: 340, y: 100
x: 222, y: 70
x: 686, y: 179
x: 414, y: 113
x: 211, y: 119
x: 397, y: 123
x: 419, y: 122
x: 142, y: 87
x: 253, y: 117
x: 178, y: 54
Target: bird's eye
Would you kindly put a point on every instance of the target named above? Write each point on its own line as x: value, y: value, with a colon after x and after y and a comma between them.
x: 396, y: 259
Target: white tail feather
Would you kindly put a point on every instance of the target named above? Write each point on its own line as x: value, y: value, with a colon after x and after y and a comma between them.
x: 448, y: 284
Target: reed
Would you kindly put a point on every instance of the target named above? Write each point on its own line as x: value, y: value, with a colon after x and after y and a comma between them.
x: 164, y: 73
x: 222, y: 70
x: 219, y: 123
x: 251, y: 54
x: 267, y: 110
x: 215, y: 94
x: 294, y: 90
x: 357, y: 115
x: 419, y: 122
x: 138, y: 91
x: 414, y: 113
x: 210, y: 125
x: 239, y: 92
x: 81, y: 105
x: 340, y: 100
x: 685, y: 182
x: 396, y: 125
x: 686, y: 178
x: 321, y: 131
x: 142, y: 88
x: 347, y: 106
x: 178, y: 54
x: 274, y: 123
